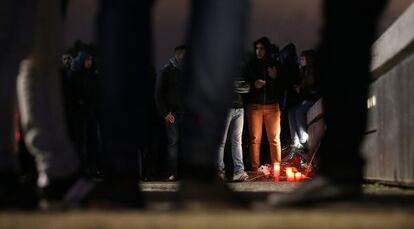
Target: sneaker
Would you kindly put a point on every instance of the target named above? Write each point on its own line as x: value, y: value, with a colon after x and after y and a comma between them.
x: 241, y: 177
x: 221, y: 174
x: 171, y: 178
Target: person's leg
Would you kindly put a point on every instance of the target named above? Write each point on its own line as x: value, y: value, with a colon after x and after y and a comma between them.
x: 213, y: 63
x: 236, y: 130
x: 172, y: 131
x: 126, y: 83
x: 16, y: 27
x: 344, y: 90
x: 272, y: 125
x: 15, y: 39
x: 293, y: 126
x: 301, y: 120
x: 255, y: 121
x: 220, y: 159
x: 40, y: 98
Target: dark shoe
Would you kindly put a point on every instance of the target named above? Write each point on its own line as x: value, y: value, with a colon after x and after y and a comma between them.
x: 318, y: 190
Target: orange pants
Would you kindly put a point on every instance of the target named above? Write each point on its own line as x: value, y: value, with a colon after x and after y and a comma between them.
x: 270, y: 115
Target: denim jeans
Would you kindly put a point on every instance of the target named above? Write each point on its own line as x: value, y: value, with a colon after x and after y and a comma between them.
x: 297, y: 122
x: 173, y: 131
x: 234, y: 125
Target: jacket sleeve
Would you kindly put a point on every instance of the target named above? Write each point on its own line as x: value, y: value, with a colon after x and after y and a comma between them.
x: 160, y: 89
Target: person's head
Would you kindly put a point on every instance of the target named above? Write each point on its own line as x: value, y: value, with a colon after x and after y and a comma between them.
x: 262, y: 48
x: 84, y: 61
x: 66, y: 60
x: 307, y: 58
x: 87, y: 64
x: 179, y: 52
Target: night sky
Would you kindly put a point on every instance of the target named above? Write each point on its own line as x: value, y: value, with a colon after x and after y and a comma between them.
x: 283, y: 21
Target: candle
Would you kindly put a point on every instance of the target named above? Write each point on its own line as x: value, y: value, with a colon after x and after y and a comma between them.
x: 298, y: 176
x: 290, y: 177
x: 276, y: 171
x: 289, y: 174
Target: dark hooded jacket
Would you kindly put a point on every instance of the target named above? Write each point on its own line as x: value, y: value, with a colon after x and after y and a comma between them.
x: 84, y: 86
x: 170, y: 89
x: 257, y: 69
x: 289, y: 76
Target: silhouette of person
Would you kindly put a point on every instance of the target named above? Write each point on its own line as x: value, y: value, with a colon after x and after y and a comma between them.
x: 344, y: 91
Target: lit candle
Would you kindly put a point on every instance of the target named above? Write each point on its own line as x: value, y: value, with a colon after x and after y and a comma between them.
x: 289, y: 174
x: 290, y: 177
x: 276, y: 171
x: 298, y: 176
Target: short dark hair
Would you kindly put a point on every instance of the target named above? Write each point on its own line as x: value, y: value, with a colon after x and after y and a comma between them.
x: 180, y: 48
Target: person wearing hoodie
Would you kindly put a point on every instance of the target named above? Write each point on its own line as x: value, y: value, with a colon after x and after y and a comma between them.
x: 83, y: 113
x: 169, y: 100
x: 263, y: 103
x: 308, y: 96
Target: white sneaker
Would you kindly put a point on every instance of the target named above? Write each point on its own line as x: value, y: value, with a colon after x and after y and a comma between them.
x: 171, y: 178
x: 241, y: 177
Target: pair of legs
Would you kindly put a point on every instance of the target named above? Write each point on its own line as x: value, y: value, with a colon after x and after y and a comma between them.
x: 270, y: 116
x: 297, y: 123
x: 234, y: 125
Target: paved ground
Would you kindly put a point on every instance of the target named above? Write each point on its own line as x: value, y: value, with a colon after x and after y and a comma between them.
x: 383, y: 207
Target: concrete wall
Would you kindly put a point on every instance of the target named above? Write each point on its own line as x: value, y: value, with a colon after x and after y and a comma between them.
x: 389, y: 143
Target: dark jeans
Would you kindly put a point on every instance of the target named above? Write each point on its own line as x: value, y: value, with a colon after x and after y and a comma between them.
x: 173, y: 137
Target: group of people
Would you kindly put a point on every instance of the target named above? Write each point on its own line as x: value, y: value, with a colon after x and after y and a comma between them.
x: 30, y: 47
x: 269, y: 82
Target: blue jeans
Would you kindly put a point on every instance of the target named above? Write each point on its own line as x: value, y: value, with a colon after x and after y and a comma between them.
x: 173, y: 136
x: 234, y: 124
x: 297, y: 122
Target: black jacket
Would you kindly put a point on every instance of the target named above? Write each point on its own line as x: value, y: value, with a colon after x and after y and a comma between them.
x: 270, y: 92
x: 169, y: 90
x: 241, y: 88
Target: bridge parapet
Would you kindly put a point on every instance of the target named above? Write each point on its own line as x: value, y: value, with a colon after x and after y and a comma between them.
x: 389, y: 142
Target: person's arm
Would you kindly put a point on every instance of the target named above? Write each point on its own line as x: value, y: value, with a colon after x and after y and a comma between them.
x: 160, y: 93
